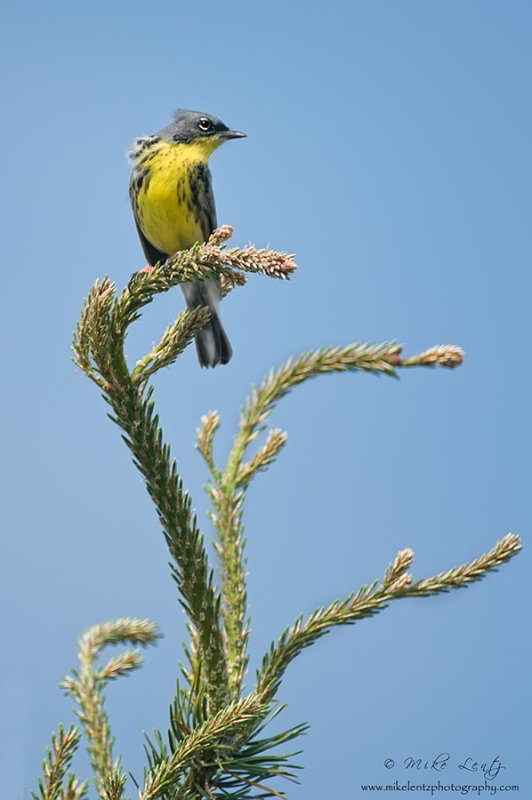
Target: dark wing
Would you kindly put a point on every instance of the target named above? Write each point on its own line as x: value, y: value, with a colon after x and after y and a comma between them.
x: 200, y: 181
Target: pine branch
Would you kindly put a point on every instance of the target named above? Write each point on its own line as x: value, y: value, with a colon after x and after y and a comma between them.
x: 202, y: 745
x: 212, y: 748
x: 209, y: 425
x: 397, y: 569
x: 114, y: 786
x: 56, y: 764
x: 175, y: 339
x: 249, y: 259
x: 120, y: 665
x: 86, y: 688
x: 98, y: 346
x: 190, y: 567
x: 117, y: 631
x: 262, y: 459
x: 134, y: 413
x: 369, y: 600
x: 256, y: 758
x: 443, y: 355
x: 200, y: 262
x: 461, y: 576
x: 382, y: 358
x: 228, y: 490
x: 74, y: 789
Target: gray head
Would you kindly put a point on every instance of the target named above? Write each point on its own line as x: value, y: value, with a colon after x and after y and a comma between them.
x: 195, y: 126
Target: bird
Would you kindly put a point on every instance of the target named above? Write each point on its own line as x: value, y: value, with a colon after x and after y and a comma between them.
x: 173, y: 206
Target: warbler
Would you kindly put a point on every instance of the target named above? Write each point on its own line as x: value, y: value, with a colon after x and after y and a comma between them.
x: 173, y: 205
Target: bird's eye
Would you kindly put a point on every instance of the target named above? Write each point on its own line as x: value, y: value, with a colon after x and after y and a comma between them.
x: 205, y: 124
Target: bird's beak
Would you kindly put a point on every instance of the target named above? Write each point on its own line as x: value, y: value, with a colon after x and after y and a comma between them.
x: 233, y: 135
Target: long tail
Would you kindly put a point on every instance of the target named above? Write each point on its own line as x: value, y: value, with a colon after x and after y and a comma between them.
x: 212, y: 343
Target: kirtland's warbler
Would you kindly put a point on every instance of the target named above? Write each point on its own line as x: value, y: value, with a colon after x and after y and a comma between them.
x: 173, y: 204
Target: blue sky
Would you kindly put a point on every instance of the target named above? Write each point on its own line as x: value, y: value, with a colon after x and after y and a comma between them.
x: 389, y: 148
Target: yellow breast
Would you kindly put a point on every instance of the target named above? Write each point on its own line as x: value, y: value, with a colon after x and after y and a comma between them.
x: 168, y: 200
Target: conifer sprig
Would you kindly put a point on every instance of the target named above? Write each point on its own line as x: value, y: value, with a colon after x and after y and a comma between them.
x: 368, y: 601
x: 175, y: 339
x: 98, y: 346
x: 204, y: 747
x: 55, y: 766
x: 86, y: 687
x: 114, y: 786
x: 214, y: 747
x: 227, y: 490
x: 74, y: 789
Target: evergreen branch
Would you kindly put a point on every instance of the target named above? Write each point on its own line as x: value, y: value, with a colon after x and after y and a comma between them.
x: 190, y: 567
x: 461, y: 576
x: 381, y: 358
x: 247, y: 754
x: 98, y: 346
x: 56, y: 764
x: 212, y: 744
x: 249, y: 259
x: 265, y: 262
x: 74, y: 789
x: 200, y: 262
x: 227, y: 519
x: 116, y: 631
x: 227, y: 493
x: 86, y: 687
x: 82, y: 339
x: 396, y: 570
x: 202, y: 744
x: 254, y: 758
x: 175, y: 339
x: 134, y: 413
x: 91, y: 334
x: 262, y: 459
x: 209, y: 425
x: 369, y: 601
x: 443, y: 355
x: 220, y: 235
x: 372, y: 358
x: 114, y: 786
x: 120, y: 665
